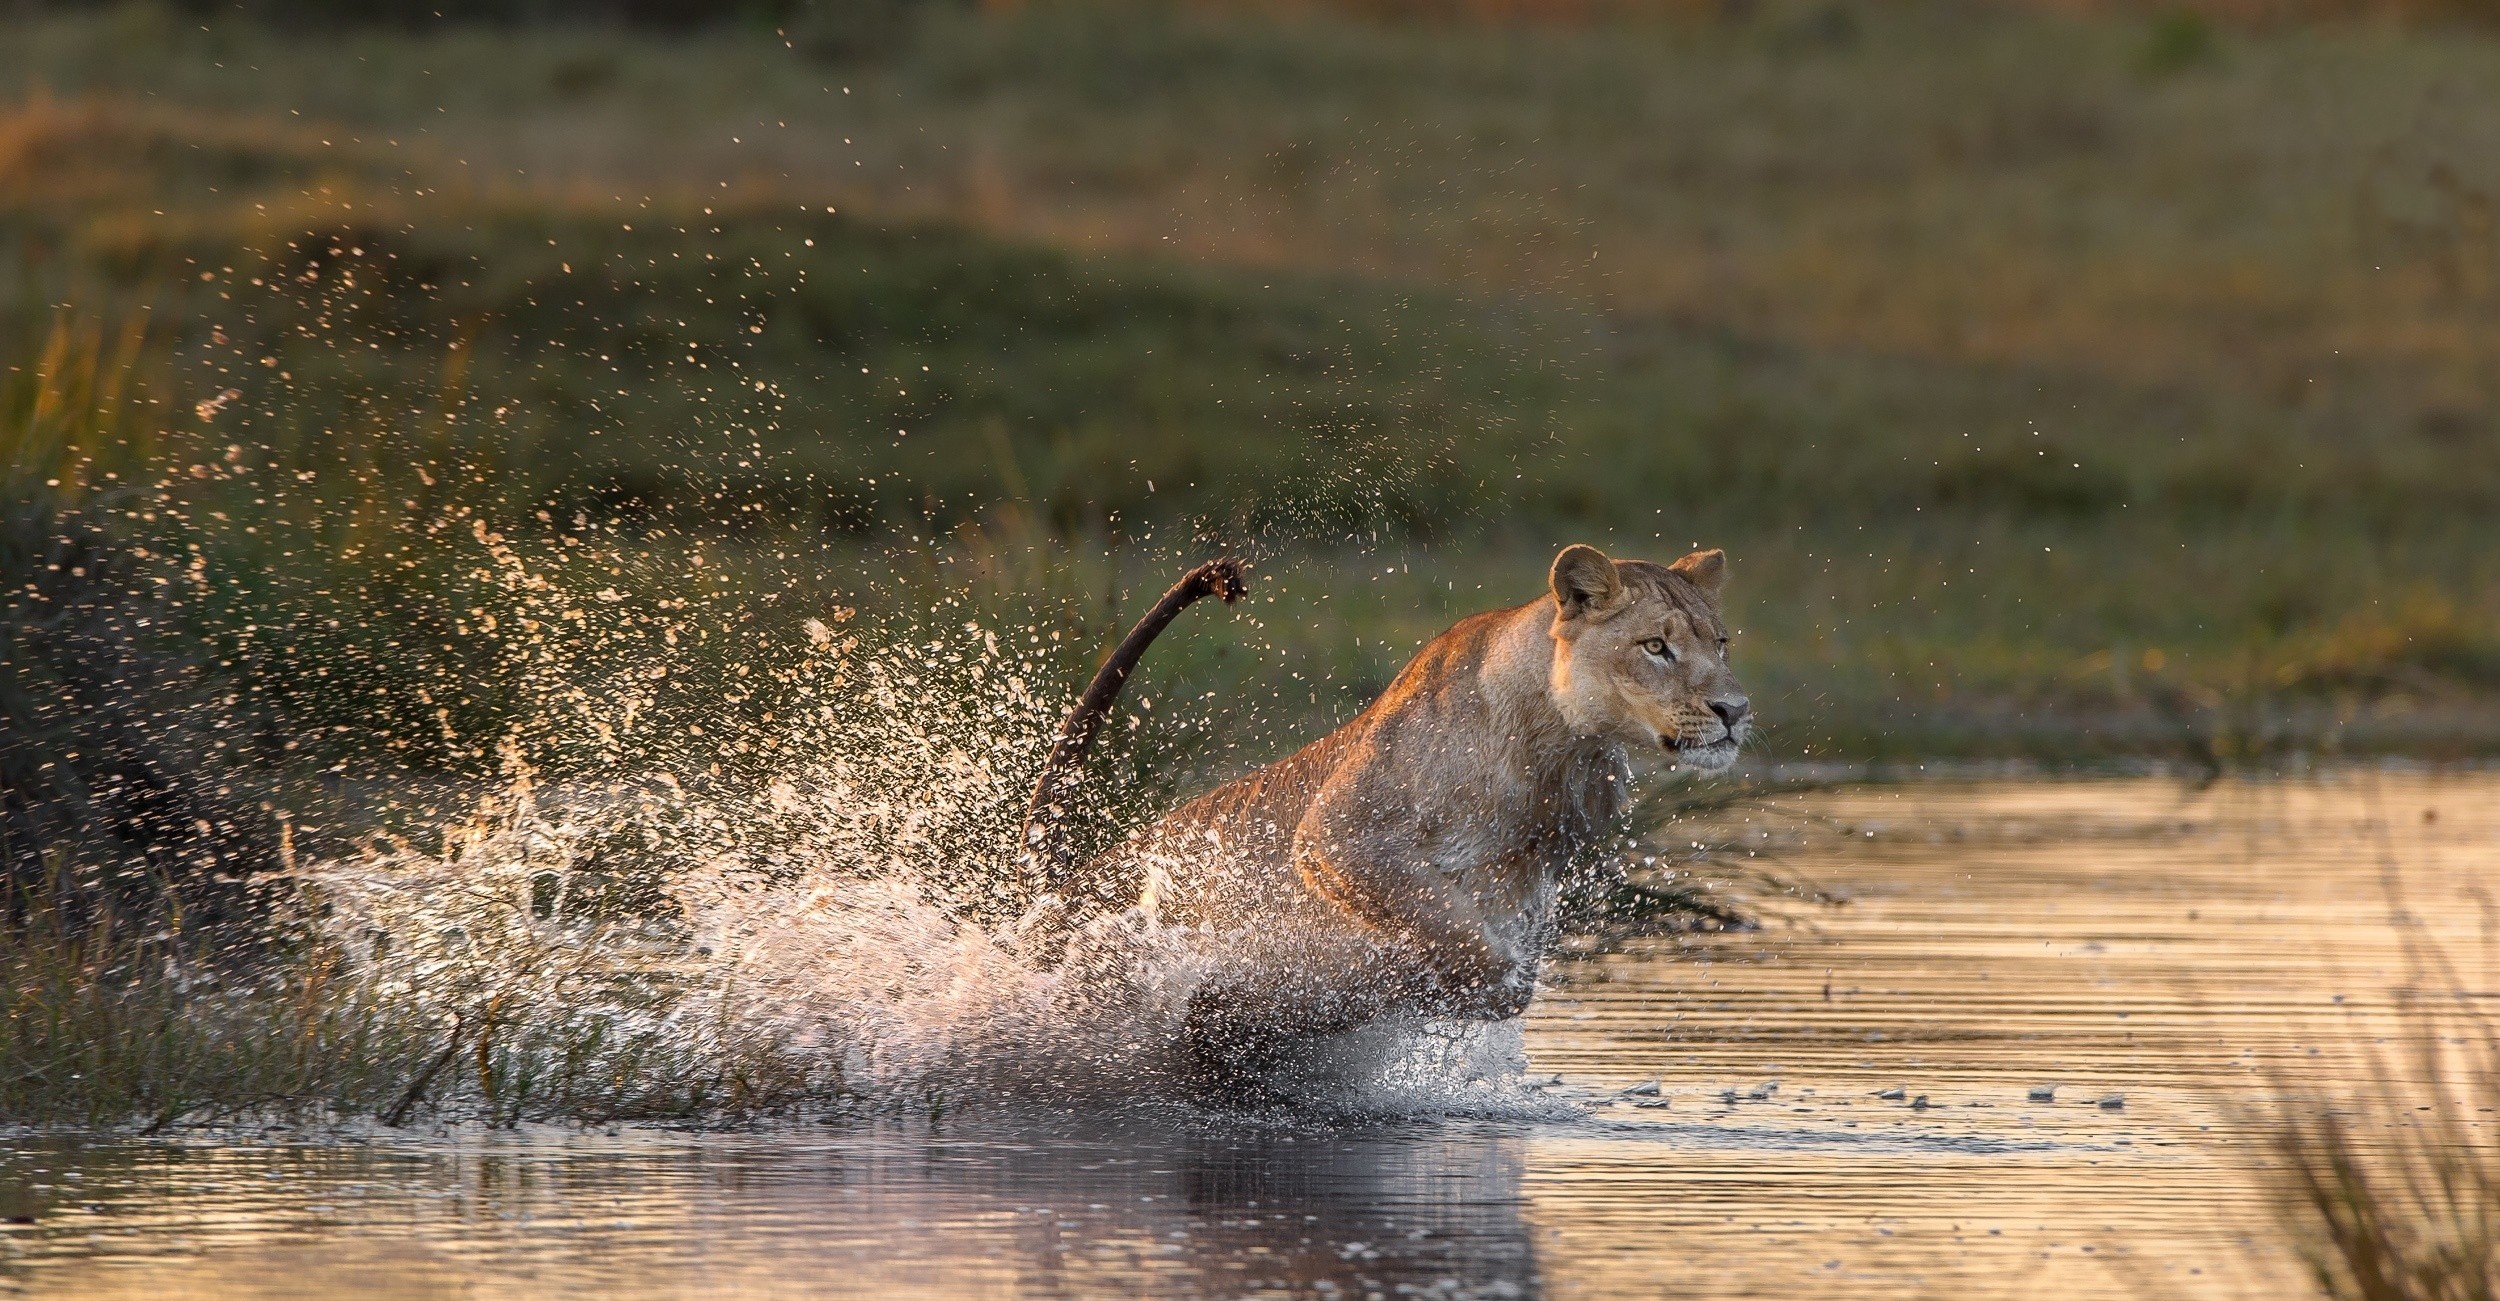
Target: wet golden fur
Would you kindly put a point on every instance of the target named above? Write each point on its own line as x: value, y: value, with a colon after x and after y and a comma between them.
x: 1409, y: 860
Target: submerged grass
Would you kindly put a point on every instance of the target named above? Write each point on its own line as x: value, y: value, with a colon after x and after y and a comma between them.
x: 1653, y: 878
x: 105, y: 1023
x: 2391, y: 1186
x: 101, y: 1028
x: 114, y: 1021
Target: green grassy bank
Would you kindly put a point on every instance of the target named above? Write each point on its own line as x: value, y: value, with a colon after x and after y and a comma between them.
x: 2065, y: 387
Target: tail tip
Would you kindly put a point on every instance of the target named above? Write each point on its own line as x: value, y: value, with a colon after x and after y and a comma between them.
x: 1223, y: 579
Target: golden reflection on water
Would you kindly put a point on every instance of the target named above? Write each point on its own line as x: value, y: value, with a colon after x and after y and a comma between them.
x: 2163, y: 960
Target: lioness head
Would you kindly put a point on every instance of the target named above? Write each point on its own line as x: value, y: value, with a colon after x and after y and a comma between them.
x: 1640, y: 655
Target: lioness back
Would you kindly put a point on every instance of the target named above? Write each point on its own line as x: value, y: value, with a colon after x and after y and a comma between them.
x: 1228, y: 853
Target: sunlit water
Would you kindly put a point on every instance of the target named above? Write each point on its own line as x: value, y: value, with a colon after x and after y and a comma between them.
x: 2164, y: 959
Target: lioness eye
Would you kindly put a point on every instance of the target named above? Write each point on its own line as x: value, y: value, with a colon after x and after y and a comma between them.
x: 1658, y: 646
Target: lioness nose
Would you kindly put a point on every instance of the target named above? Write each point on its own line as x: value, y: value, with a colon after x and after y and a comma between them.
x: 1731, y: 711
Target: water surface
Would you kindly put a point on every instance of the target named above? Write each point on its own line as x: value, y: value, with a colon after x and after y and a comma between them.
x: 2162, y: 959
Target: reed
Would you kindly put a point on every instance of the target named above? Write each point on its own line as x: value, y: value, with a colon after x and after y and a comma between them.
x: 111, y: 1021
x: 138, y: 1023
x: 2390, y: 1187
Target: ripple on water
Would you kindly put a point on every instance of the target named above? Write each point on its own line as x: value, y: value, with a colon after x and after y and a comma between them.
x: 2182, y: 952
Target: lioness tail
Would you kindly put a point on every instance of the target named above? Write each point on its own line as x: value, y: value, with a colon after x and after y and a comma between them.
x: 1044, y: 856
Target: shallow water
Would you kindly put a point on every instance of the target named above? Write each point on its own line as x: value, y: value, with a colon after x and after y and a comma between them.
x: 2164, y: 958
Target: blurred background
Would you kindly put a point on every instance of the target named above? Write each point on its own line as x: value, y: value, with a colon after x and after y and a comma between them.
x: 2082, y: 384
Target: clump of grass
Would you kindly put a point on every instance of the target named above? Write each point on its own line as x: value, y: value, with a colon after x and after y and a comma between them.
x: 134, y: 1021
x: 109, y: 1020
x: 2392, y: 1190
x: 1652, y: 878
x: 2426, y: 641
x: 2178, y: 41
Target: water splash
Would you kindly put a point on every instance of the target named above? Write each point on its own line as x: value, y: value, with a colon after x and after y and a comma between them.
x: 813, y: 925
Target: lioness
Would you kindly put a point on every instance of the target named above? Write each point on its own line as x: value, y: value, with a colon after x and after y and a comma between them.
x: 1408, y: 861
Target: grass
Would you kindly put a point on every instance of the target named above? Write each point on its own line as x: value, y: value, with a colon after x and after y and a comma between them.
x: 2393, y: 1188
x: 386, y: 405
x: 2071, y: 410
x: 1651, y: 878
x: 107, y: 1022
x: 103, y: 1025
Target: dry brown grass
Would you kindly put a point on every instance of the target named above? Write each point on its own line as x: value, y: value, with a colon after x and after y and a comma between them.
x: 2391, y: 1189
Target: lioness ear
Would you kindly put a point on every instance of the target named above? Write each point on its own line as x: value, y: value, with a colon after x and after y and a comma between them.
x: 1584, y: 580
x: 1706, y: 570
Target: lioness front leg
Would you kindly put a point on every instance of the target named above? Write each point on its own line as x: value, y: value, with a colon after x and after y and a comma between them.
x: 1457, y: 970
x: 1476, y: 983
x: 1258, y: 1008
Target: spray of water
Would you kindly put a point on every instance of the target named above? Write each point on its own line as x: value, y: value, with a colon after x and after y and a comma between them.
x: 612, y: 833
x: 815, y: 923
